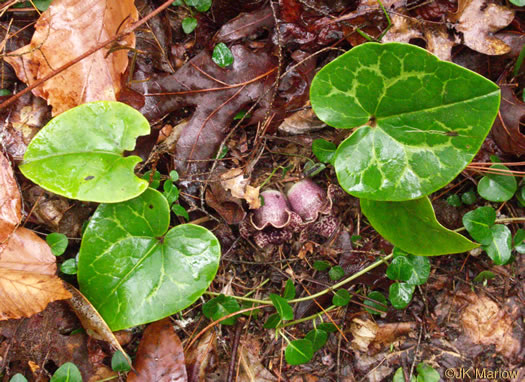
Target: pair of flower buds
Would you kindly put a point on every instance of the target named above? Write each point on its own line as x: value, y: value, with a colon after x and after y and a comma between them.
x: 306, y: 208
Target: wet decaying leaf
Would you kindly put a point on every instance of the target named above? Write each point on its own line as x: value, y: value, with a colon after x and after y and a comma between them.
x: 506, y: 130
x: 91, y: 320
x: 10, y: 201
x: 27, y: 276
x: 66, y: 30
x: 216, y: 93
x: 244, y: 25
x: 252, y: 368
x: 160, y: 356
x: 229, y: 207
x: 27, y: 266
x: 46, y: 339
x: 234, y: 181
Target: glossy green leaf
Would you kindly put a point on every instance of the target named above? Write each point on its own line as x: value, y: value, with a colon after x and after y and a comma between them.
x: 200, y: 5
x: 479, y: 222
x: 318, y: 338
x: 154, y: 181
x: 68, y: 372
x: 400, y: 294
x: 18, y: 378
x: 341, y: 297
x: 420, y: 120
x: 222, y: 55
x: 174, y: 175
x: 412, y: 226
x: 469, y: 197
x: 324, y: 150
x: 298, y: 352
x: 284, y: 309
x: 484, y: 275
x: 289, y: 290
x: 321, y: 265
x: 336, y: 272
x: 79, y: 153
x: 519, y: 241
x: 409, y: 268
x: 57, y: 242
x: 399, y: 375
x: 119, y: 362
x: 69, y: 267
x: 133, y: 272
x: 427, y: 373
x: 220, y: 307
x: 272, y: 321
x: 189, y: 24
x: 377, y: 301
x: 180, y: 211
x: 171, y: 192
x: 399, y: 269
x: 497, y: 188
x: 499, y: 249
x: 520, y: 195
x: 327, y: 327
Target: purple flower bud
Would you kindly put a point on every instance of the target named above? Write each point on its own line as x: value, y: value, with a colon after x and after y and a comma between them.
x: 307, y: 199
x: 274, y: 212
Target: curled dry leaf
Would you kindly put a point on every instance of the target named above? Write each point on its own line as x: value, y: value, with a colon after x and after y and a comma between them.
x: 250, y: 359
x: 10, y: 201
x: 160, y: 356
x: 506, y: 130
x: 225, y: 204
x: 486, y: 323
x: 234, y: 181
x: 199, y: 356
x: 91, y: 320
x: 65, y: 31
x: 301, y: 122
x: 369, y: 335
x: 477, y: 20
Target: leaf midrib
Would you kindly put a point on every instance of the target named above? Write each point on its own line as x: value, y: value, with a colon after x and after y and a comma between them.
x: 378, y: 119
x: 33, y: 160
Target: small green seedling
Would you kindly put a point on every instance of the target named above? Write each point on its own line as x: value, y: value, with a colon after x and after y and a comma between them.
x: 57, y: 242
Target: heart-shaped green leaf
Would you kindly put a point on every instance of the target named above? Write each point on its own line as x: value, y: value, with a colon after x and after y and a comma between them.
x: 409, y: 268
x: 324, y: 150
x: 341, y: 297
x: 499, y: 249
x: 400, y: 294
x: 412, y: 226
x: 79, y: 153
x: 133, y: 272
x: 479, y: 222
x: 220, y: 307
x: 298, y: 352
x: 281, y: 305
x: 420, y: 120
x: 318, y: 338
x: 496, y: 187
x: 377, y: 301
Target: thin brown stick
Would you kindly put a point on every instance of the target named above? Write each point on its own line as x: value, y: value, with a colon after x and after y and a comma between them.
x: 86, y: 54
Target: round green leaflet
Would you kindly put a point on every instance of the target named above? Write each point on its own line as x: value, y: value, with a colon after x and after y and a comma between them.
x: 79, y: 153
x: 135, y: 272
x: 419, y: 120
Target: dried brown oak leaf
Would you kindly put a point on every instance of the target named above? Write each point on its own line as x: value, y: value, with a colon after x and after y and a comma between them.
x: 160, y: 356
x: 65, y: 31
x: 27, y: 266
x: 477, y: 20
x: 506, y: 130
x: 217, y: 95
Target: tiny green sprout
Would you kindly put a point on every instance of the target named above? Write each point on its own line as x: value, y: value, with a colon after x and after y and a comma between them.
x: 57, y: 242
x: 18, y: 378
x: 68, y: 372
x: 222, y: 55
x: 336, y: 272
x: 119, y: 362
x: 454, y: 200
x: 69, y: 267
x: 189, y: 24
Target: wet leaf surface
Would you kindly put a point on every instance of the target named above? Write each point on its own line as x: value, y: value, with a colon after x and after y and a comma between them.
x: 160, y: 356
x: 506, y: 130
x: 10, y: 201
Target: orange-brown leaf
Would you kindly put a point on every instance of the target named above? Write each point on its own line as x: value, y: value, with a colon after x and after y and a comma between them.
x: 65, y: 31
x: 26, y: 293
x: 160, y: 356
x: 10, y: 202
x: 27, y: 276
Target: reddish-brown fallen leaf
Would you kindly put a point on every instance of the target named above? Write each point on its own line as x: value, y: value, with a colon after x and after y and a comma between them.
x: 506, y: 130
x: 66, y: 30
x: 198, y: 357
x: 160, y: 356
x: 10, y: 201
x: 27, y: 276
